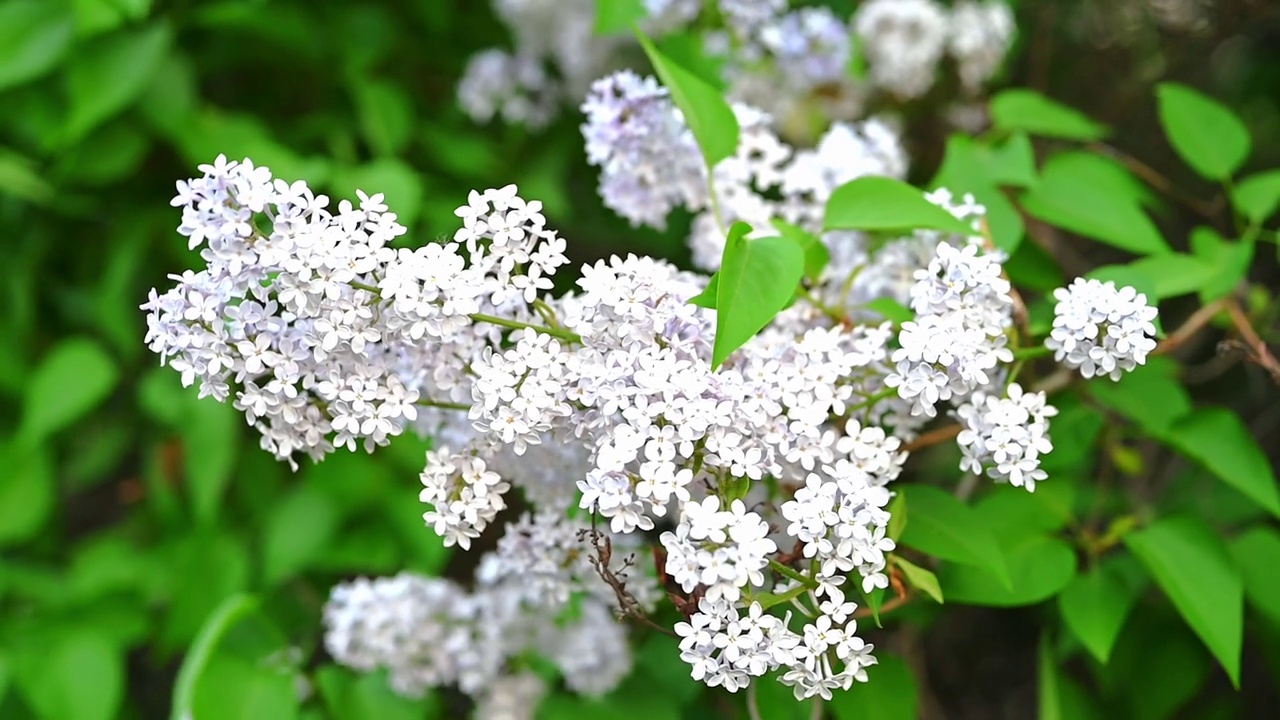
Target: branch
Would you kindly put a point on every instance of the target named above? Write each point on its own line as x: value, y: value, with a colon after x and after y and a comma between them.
x: 1257, y: 352
x: 1156, y: 180
x: 933, y: 437
x: 1191, y: 326
x: 628, y: 606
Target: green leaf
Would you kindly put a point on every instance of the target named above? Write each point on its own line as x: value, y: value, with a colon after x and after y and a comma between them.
x: 1157, y: 666
x: 96, y: 16
x: 897, y: 517
x: 969, y: 168
x: 777, y: 701
x: 227, y: 614
x: 942, y: 526
x: 653, y: 657
x: 1050, y: 700
x: 395, y: 179
x: 707, y: 298
x: 890, y: 693
x: 1095, y: 197
x: 34, y: 36
x: 1039, y: 568
x: 367, y: 696
x: 1031, y: 267
x: 634, y: 698
x: 920, y: 578
x: 1011, y: 163
x: 690, y: 50
x: 238, y: 136
x: 72, y: 379
x: 873, y: 202
x: 297, y: 532
x: 1031, y: 112
x: 1191, y: 564
x: 1150, y: 395
x: 205, y: 569
x: 386, y: 115
x: 1204, y: 132
x: 110, y: 563
x: 757, y: 279
x: 1095, y: 606
x: 1230, y: 260
x: 27, y: 492
x: 1257, y: 196
x: 170, y: 103
x: 211, y: 435
x: 80, y: 676
x: 234, y: 688
x: 705, y: 110
x: 1219, y: 440
x: 816, y: 255
x: 618, y: 16
x: 1176, y: 273
x: 20, y: 177
x: 890, y: 309
x: 1015, y: 515
x: 424, y: 551
x: 109, y: 74
x: 1257, y: 554
x: 6, y: 673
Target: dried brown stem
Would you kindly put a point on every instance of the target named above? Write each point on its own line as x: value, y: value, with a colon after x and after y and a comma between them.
x: 628, y: 606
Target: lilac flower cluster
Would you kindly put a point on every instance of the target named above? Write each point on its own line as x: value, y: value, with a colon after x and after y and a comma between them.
x: 767, y: 481
x: 788, y: 61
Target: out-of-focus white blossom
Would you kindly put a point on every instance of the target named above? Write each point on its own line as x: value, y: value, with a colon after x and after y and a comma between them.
x: 979, y: 38
x: 903, y: 41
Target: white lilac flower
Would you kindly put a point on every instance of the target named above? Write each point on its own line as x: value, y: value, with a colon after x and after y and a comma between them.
x: 430, y: 632
x: 747, y: 17
x: 649, y: 162
x: 1005, y: 436
x: 465, y: 496
x: 810, y: 45
x: 516, y: 89
x: 325, y: 336
x: 512, y: 697
x: 720, y: 550
x: 280, y: 319
x: 1101, y: 330
x: 980, y: 36
x: 903, y: 41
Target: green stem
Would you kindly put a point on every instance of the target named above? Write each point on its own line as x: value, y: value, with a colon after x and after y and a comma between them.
x: 427, y: 402
x: 1028, y: 353
x: 804, y: 580
x: 366, y: 288
x: 561, y: 333
x: 871, y: 401
x: 823, y: 307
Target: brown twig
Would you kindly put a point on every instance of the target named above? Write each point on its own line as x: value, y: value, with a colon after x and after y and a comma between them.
x: 628, y: 606
x: 1258, y: 352
x: 901, y: 596
x: 1191, y: 326
x: 1154, y: 178
x: 933, y: 437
